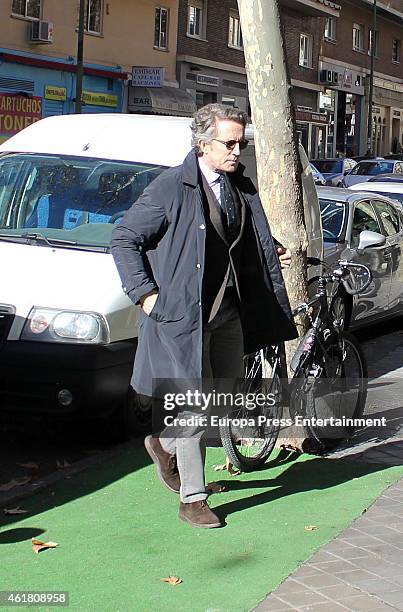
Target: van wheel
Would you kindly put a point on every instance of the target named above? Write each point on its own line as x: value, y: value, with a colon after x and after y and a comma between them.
x: 132, y: 418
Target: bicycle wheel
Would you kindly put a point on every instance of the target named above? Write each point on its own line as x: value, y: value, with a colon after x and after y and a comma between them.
x: 249, y: 446
x: 330, y: 390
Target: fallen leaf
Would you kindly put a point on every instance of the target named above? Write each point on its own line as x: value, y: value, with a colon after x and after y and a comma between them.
x: 215, y: 487
x: 172, y: 580
x: 17, y: 510
x: 310, y: 528
x: 230, y: 468
x: 30, y: 465
x: 16, y: 482
x: 62, y: 466
x: 38, y: 545
x: 219, y: 468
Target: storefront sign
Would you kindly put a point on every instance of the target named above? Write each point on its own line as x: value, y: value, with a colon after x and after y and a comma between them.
x: 17, y: 112
x: 311, y: 117
x: 100, y: 99
x: 148, y: 76
x: 205, y: 79
x: 342, y: 78
x: 53, y: 92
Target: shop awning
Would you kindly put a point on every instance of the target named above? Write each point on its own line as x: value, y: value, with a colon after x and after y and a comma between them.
x: 161, y: 100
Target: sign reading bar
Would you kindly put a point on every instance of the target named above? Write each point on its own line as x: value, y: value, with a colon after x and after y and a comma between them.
x: 53, y: 92
x: 17, y: 112
x: 148, y: 76
x: 100, y: 99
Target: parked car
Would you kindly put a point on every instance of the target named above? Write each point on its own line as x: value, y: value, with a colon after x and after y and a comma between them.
x: 386, y: 178
x: 390, y: 189
x: 318, y: 177
x: 334, y: 169
x: 368, y: 168
x: 68, y: 332
x: 365, y: 228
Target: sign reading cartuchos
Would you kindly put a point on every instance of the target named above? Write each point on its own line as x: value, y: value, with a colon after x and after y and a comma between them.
x: 17, y: 112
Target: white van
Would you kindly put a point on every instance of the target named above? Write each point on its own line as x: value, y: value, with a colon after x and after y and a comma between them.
x: 68, y: 333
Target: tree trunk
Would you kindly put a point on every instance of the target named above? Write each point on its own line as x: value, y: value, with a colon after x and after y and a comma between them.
x: 278, y: 164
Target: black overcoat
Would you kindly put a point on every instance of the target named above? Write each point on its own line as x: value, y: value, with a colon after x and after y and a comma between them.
x: 160, y: 244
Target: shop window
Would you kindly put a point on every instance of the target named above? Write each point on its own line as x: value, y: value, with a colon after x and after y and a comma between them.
x: 234, y: 31
x: 370, y: 38
x: 197, y: 18
x: 330, y: 29
x: 27, y: 8
x: 357, y: 37
x: 93, y: 16
x: 161, y: 28
x: 305, y: 50
x: 396, y: 51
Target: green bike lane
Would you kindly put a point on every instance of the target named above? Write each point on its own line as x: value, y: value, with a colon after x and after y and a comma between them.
x: 119, y: 535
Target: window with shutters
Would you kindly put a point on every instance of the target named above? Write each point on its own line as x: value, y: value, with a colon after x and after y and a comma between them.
x: 234, y: 31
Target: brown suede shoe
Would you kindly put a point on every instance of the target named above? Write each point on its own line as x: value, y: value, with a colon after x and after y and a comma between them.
x: 165, y: 463
x: 198, y: 514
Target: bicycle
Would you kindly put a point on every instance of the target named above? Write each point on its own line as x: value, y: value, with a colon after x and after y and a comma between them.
x: 328, y: 367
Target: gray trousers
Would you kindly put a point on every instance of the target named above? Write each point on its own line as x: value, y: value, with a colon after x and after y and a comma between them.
x: 222, y: 358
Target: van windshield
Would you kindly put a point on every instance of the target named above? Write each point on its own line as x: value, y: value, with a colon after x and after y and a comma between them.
x: 72, y: 199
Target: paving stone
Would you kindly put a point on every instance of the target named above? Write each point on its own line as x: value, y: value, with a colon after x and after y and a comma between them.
x: 272, y: 604
x: 378, y: 587
x: 394, y: 598
x: 304, y: 598
x: 305, y: 570
x: 364, y: 602
x: 354, y: 552
x: 340, y: 565
x: 334, y: 592
x: 290, y: 586
x: 319, y: 582
x: 363, y: 540
x: 322, y: 555
x: 330, y: 606
x: 355, y: 576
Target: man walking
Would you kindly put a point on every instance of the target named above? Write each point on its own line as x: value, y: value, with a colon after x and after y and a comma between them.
x: 195, y: 251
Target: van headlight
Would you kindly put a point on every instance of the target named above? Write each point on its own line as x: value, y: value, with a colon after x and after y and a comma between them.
x: 70, y: 326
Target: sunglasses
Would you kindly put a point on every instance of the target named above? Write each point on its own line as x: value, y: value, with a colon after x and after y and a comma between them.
x: 231, y: 144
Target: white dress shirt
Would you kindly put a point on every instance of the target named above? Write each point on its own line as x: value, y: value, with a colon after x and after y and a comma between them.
x: 212, y: 178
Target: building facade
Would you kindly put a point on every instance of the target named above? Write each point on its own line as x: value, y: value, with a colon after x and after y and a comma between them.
x: 211, y: 64
x: 39, y: 48
x: 344, y: 73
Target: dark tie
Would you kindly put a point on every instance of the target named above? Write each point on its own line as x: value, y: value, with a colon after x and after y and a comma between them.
x: 230, y: 209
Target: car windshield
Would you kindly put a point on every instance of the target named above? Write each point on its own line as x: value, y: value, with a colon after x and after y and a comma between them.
x: 333, y: 215
x: 328, y: 166
x: 72, y: 199
x: 372, y: 168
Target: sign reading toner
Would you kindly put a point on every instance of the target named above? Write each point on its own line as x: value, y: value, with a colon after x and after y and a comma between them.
x: 17, y: 112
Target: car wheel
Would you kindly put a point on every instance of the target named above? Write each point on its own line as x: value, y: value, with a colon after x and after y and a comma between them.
x: 132, y: 418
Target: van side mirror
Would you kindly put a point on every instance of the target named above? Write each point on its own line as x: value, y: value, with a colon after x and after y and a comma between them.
x: 370, y: 239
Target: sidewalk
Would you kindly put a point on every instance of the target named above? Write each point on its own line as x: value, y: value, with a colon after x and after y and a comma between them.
x: 362, y: 568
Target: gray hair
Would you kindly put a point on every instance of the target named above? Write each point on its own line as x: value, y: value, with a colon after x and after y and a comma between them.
x: 204, y: 122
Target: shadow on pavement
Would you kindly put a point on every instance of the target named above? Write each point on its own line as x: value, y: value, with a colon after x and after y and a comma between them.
x: 311, y: 475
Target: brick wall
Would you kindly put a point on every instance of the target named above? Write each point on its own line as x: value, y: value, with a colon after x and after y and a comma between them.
x: 294, y: 24
x: 343, y: 48
x: 216, y: 48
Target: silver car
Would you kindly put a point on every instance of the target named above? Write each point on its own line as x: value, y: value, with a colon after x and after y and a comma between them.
x: 366, y: 228
x: 367, y: 168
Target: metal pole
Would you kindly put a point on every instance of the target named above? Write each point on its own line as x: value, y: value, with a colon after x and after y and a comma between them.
x: 371, y: 86
x: 80, y: 55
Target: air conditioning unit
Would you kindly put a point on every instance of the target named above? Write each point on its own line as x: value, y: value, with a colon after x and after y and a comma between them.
x: 41, y: 32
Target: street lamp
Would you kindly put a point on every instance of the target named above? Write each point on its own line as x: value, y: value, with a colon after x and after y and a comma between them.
x: 371, y: 84
x: 80, y: 55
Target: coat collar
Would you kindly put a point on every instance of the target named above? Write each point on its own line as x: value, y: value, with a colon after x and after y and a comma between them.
x: 190, y: 170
